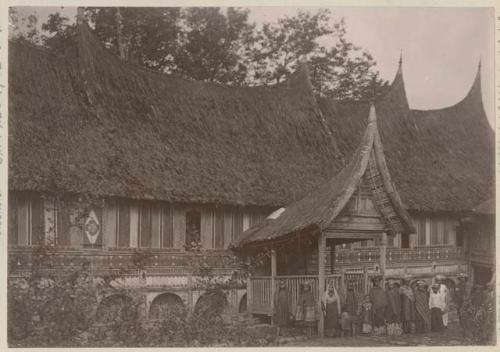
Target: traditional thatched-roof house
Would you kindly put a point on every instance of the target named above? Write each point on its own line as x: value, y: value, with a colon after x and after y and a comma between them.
x: 174, y: 161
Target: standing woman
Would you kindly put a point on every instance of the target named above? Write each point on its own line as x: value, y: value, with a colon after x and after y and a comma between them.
x: 308, y: 306
x: 330, y: 304
x: 407, y: 306
x: 393, y: 313
x: 281, y: 307
x: 422, y: 311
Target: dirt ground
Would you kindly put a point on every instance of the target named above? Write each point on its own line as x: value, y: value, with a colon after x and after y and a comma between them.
x: 453, y: 336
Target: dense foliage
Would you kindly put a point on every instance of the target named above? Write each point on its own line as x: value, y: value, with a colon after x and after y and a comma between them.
x: 221, y: 45
x: 63, y: 308
x: 478, y: 315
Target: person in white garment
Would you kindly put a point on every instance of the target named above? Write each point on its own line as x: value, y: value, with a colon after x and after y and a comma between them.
x: 445, y: 294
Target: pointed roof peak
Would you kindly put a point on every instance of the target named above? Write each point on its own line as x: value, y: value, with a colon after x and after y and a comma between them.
x: 400, y: 64
x: 372, y: 116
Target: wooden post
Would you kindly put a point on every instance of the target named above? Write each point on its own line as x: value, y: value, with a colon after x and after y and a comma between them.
x: 190, y: 292
x: 273, y: 282
x: 249, y: 290
x: 321, y: 280
x: 342, y: 287
x: 383, y: 251
x: 365, y: 280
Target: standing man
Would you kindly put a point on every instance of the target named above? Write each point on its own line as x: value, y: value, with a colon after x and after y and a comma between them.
x: 460, y: 294
x: 379, y: 302
x: 436, y: 305
x: 444, y: 292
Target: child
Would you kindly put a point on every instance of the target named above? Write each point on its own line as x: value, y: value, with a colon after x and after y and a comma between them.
x: 345, y: 324
x: 366, y: 315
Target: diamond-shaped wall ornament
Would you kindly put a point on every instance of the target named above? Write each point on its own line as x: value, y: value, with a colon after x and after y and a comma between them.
x: 92, y: 227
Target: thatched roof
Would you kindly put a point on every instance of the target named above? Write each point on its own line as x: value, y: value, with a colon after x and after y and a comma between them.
x: 486, y: 208
x: 319, y: 208
x: 440, y: 160
x: 88, y: 122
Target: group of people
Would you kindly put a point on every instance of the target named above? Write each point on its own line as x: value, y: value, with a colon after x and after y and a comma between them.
x: 397, y: 308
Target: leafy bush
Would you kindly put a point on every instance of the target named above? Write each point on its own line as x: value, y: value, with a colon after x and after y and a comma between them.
x: 478, y: 317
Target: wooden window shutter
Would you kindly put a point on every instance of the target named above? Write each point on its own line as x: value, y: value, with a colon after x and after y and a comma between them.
x: 238, y: 224
x: 37, y: 223
x: 219, y: 228
x: 12, y: 226
x: 63, y: 225
x: 167, y: 228
x: 123, y: 224
x: 145, y: 226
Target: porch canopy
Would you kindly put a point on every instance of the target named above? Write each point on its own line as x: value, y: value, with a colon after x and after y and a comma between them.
x: 316, y: 212
x: 333, y: 210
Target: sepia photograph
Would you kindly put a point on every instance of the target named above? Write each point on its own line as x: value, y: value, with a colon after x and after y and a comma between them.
x: 251, y: 176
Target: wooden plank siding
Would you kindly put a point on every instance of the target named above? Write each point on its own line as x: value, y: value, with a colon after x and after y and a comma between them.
x: 110, y: 224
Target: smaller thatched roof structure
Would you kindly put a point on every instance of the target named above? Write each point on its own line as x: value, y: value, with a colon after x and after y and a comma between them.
x: 319, y: 208
x: 486, y: 208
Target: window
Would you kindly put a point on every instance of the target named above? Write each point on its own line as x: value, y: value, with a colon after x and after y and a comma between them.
x: 145, y: 225
x: 421, y: 232
x: 167, y: 228
x: 193, y: 227
x: 123, y: 224
x: 218, y: 231
x: 237, y: 224
x: 26, y: 220
x: 434, y: 232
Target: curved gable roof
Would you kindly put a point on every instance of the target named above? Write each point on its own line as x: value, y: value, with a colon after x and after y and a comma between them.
x: 440, y: 160
x: 91, y: 123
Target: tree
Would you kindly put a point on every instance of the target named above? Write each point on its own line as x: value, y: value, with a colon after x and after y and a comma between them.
x: 148, y: 35
x: 212, y: 44
x: 216, y: 45
x: 24, y: 28
x: 341, y: 71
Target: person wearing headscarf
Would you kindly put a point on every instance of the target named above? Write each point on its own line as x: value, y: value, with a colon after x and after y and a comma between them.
x: 379, y: 302
x: 422, y: 311
x: 351, y: 307
x: 308, y: 306
x: 330, y: 304
x: 407, y: 305
x: 437, y: 305
x: 393, y: 312
x: 366, y: 315
x: 281, y: 307
x: 459, y: 296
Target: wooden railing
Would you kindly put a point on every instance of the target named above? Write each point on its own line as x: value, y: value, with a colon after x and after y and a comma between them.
x: 123, y: 261
x: 259, y: 299
x: 394, y: 256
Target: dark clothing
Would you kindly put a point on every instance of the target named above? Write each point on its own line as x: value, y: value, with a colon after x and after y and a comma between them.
x: 351, y: 303
x: 459, y: 294
x: 379, y: 301
x: 422, y: 311
x: 393, y: 312
x: 309, y: 308
x: 437, y: 320
x: 459, y: 298
x: 332, y: 319
x: 281, y: 308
